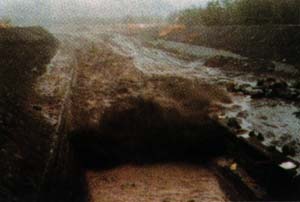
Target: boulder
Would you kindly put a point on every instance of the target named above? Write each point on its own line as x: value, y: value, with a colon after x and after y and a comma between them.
x: 257, y: 135
x: 297, y: 114
x: 289, y: 150
x: 233, y: 123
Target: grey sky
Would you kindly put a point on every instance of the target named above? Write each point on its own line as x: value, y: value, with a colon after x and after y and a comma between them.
x: 37, y: 10
x: 186, y: 3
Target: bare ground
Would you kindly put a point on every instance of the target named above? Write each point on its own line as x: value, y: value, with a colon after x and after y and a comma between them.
x: 105, y: 80
x: 168, y: 182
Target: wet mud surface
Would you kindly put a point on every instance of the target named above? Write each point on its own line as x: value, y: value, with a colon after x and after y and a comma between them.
x: 120, y: 114
x: 24, y: 133
x: 111, y: 100
x: 163, y: 182
x: 275, y: 118
x: 115, y: 72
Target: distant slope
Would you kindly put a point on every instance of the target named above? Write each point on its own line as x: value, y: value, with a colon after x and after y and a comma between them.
x: 279, y: 43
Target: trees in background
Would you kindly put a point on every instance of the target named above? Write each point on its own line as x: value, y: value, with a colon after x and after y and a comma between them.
x: 245, y: 12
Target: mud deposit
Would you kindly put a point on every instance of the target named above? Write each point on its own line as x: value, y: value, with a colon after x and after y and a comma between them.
x: 164, y: 182
x: 24, y: 139
x: 274, y: 116
x: 110, y: 119
x: 128, y: 126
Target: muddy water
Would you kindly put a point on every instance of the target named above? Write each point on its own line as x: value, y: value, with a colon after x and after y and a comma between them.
x: 275, y: 119
x: 176, y: 182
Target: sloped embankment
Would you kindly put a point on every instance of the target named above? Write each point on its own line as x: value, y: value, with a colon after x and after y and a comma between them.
x: 275, y: 42
x: 24, y: 140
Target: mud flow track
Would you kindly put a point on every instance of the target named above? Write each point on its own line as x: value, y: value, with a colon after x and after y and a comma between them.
x: 136, y: 124
x: 113, y: 114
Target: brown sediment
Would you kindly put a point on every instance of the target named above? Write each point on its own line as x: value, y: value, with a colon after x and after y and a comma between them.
x: 24, y: 53
x: 163, y: 182
x: 121, y: 116
x: 119, y: 133
x: 105, y: 79
x: 119, y: 112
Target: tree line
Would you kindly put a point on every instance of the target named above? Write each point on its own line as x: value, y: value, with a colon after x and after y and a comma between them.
x: 241, y: 12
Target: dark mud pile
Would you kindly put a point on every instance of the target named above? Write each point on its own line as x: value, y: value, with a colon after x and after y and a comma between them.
x: 120, y: 114
x: 24, y: 52
x: 278, y: 43
x: 122, y: 117
x: 142, y: 130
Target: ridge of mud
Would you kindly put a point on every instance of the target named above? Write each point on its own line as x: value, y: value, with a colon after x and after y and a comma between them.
x: 24, y: 133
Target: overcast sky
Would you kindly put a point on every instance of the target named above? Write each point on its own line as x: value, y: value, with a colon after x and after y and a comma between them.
x: 186, y: 3
x: 38, y: 9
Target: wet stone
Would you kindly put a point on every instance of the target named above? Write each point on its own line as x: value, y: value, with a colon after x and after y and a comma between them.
x: 252, y: 134
x: 297, y: 114
x: 257, y: 135
x: 37, y: 107
x: 269, y: 87
x: 243, y: 114
x: 255, y: 93
x: 272, y: 148
x: 230, y: 86
x: 288, y: 150
x: 296, y: 84
x: 233, y: 123
x: 260, y: 137
x: 288, y: 165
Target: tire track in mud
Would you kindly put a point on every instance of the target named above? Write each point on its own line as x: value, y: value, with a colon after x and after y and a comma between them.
x: 61, y: 159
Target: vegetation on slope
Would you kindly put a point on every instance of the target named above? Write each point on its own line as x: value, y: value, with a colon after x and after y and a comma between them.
x: 241, y: 12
